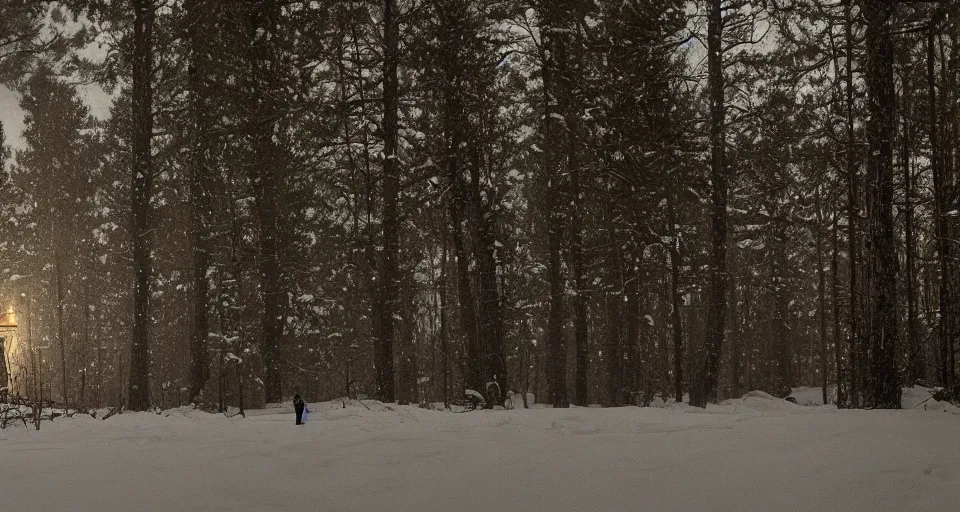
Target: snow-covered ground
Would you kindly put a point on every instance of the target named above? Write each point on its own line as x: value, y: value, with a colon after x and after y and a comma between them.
x: 753, y: 454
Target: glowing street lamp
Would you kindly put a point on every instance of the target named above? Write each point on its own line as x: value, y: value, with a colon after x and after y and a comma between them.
x: 8, y: 320
x: 8, y: 323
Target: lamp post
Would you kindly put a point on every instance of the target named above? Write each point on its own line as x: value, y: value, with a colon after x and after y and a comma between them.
x: 8, y: 323
x: 34, y: 366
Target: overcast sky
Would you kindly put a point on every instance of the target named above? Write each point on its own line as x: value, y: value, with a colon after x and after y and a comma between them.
x: 99, y: 102
x: 12, y: 117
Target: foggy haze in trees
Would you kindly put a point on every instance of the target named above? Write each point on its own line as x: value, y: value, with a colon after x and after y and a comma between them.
x: 594, y: 202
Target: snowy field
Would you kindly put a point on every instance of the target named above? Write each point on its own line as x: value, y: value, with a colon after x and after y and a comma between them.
x: 753, y: 454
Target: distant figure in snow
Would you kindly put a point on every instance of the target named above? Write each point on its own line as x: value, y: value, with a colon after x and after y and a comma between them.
x: 299, y: 406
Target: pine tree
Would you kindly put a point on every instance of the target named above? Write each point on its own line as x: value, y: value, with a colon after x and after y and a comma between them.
x: 884, y: 336
x: 199, y: 20
x: 141, y: 195
x: 389, y: 272
x: 719, y: 179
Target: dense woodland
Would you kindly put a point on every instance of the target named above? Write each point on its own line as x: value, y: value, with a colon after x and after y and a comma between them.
x: 595, y: 201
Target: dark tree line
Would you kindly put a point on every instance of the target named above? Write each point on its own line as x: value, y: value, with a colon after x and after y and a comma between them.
x: 596, y: 202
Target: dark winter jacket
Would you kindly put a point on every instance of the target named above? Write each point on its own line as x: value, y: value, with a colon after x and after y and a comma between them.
x: 298, y: 403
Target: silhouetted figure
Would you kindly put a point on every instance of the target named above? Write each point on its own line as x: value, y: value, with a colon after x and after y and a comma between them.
x: 299, y: 406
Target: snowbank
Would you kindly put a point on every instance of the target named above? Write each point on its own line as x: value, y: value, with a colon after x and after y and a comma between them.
x: 755, y: 453
x: 912, y: 398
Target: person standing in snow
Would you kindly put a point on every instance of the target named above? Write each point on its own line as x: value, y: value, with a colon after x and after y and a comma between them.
x: 299, y: 406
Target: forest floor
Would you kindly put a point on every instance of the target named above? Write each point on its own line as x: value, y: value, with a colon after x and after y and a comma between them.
x: 751, y: 454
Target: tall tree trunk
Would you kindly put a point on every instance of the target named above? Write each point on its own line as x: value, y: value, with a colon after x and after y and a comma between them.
x: 84, y: 349
x: 914, y: 343
x: 615, y: 296
x: 444, y: 343
x: 468, y: 311
x: 835, y: 297
x: 880, y: 134
x: 99, y: 376
x: 736, y: 343
x: 576, y: 170
x: 490, y: 305
x: 369, y: 234
x: 781, y: 339
x: 630, y: 349
x: 141, y: 193
x: 408, y: 392
x: 389, y: 268
x: 717, y: 295
x: 835, y: 237
x: 236, y: 239
x: 555, y: 336
x: 580, y: 327
x: 853, y: 217
x: 939, y: 219
x: 612, y: 354
x: 581, y: 334
x: 555, y: 56
x: 34, y: 367
x: 948, y: 162
x: 821, y: 295
x: 455, y: 121
x: 198, y: 12
x: 266, y: 176
x: 61, y: 324
x: 676, y: 300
